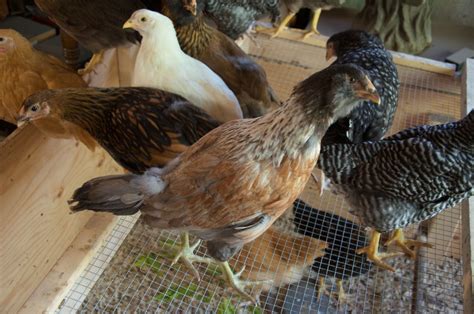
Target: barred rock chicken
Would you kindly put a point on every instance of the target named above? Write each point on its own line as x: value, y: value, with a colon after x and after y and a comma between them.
x: 234, y: 17
x: 244, y: 77
x: 316, y: 6
x: 231, y: 185
x: 162, y: 64
x: 278, y: 257
x: 366, y: 122
x: 25, y: 70
x: 139, y: 127
x: 96, y: 25
x: 343, y: 238
x: 404, y: 179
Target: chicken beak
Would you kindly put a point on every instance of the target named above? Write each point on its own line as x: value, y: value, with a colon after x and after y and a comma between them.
x: 128, y: 24
x: 369, y: 93
x: 330, y: 52
x: 21, y: 120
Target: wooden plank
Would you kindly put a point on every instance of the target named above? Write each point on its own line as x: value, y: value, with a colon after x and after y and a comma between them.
x: 37, y: 176
x: 468, y: 205
x: 52, y: 290
x: 398, y: 57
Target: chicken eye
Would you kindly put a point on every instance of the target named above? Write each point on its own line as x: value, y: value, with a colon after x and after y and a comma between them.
x: 143, y: 19
x: 352, y: 80
x: 34, y: 108
x: 1, y: 39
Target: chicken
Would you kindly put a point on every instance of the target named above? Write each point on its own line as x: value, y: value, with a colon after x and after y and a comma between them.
x: 162, y: 64
x: 343, y: 238
x: 232, y: 184
x: 366, y: 122
x: 96, y: 25
x: 404, y: 179
x: 316, y: 6
x: 278, y: 258
x: 234, y: 17
x: 139, y: 127
x: 25, y: 70
x: 244, y: 77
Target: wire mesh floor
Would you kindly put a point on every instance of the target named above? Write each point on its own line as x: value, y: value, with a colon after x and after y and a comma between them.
x: 132, y: 272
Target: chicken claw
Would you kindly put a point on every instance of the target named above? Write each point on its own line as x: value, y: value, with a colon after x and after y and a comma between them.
x: 90, y: 66
x: 398, y: 238
x: 283, y: 24
x: 314, y: 24
x: 340, y: 295
x: 187, y: 256
x: 234, y: 281
x: 374, y: 255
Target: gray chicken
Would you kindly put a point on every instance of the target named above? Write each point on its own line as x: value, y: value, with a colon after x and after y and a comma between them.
x: 234, y: 17
x: 404, y: 179
x: 366, y: 122
x: 316, y: 6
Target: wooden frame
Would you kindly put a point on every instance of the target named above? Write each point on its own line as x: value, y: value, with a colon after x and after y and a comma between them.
x: 468, y: 205
x: 38, y: 174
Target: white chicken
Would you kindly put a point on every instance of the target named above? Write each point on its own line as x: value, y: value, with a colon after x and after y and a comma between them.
x: 162, y: 64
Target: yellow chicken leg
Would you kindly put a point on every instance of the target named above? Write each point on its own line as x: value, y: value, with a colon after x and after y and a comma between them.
x: 283, y: 24
x: 398, y: 238
x: 239, y: 285
x: 90, y: 66
x: 340, y: 295
x: 321, y: 287
x: 373, y: 252
x: 187, y: 256
x: 314, y: 24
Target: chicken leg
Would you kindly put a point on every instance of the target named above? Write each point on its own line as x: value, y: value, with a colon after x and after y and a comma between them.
x: 186, y: 255
x: 398, y: 238
x: 314, y: 24
x: 95, y: 60
x: 283, y: 24
x: 234, y: 281
x: 373, y: 253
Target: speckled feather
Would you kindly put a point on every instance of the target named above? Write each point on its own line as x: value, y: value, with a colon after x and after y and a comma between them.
x: 234, y: 17
x: 139, y: 127
x: 295, y: 5
x: 406, y: 178
x: 366, y: 122
x: 242, y: 75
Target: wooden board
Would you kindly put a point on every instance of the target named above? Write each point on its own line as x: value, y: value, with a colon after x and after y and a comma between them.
x: 468, y: 206
x: 398, y: 57
x: 37, y: 176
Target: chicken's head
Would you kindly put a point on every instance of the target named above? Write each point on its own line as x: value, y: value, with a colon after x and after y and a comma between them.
x: 35, y: 107
x: 146, y: 22
x: 10, y: 40
x: 338, y: 44
x: 344, y: 86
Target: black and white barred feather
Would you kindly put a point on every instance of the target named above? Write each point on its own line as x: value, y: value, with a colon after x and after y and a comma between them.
x: 405, y: 178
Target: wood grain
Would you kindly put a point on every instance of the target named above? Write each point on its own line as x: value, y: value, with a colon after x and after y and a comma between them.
x: 37, y: 176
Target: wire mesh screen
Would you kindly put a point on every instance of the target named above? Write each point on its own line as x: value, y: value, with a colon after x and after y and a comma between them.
x: 137, y: 275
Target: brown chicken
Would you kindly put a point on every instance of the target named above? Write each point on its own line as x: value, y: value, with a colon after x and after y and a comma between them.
x: 278, y: 258
x: 25, y: 70
x: 244, y: 77
x: 232, y: 184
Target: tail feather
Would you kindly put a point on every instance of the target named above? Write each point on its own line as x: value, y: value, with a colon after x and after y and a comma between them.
x: 115, y: 194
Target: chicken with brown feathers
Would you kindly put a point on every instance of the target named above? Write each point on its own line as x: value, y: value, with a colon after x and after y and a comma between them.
x: 139, y: 127
x: 244, y: 77
x: 233, y: 183
x: 25, y: 70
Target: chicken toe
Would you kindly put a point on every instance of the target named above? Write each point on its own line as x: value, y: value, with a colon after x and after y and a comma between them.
x: 398, y: 238
x: 283, y: 24
x: 187, y: 256
x: 314, y: 24
x: 93, y: 62
x: 373, y: 253
x: 237, y: 284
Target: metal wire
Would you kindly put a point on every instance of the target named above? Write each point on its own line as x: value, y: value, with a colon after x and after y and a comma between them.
x: 136, y: 275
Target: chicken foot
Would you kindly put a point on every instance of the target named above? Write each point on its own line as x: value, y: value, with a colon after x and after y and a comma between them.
x: 314, y: 24
x: 373, y: 253
x: 283, y: 24
x: 340, y: 295
x: 239, y: 285
x: 187, y: 256
x: 95, y: 60
x: 398, y: 238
